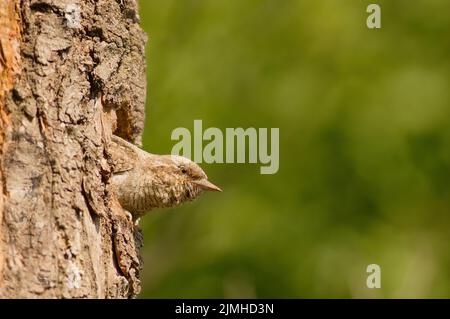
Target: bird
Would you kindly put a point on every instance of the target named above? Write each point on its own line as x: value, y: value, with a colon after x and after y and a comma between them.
x: 145, y: 181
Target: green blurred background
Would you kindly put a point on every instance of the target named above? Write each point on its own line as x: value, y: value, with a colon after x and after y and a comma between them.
x: 364, y: 147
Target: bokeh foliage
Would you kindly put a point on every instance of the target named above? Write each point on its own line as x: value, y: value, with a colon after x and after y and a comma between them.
x: 364, y: 147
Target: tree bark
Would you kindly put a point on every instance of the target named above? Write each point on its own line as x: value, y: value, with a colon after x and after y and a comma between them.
x: 72, y: 72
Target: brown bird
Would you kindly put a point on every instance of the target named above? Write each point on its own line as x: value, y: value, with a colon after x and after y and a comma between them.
x: 145, y: 181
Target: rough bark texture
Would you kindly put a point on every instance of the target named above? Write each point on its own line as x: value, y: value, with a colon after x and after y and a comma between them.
x: 72, y: 72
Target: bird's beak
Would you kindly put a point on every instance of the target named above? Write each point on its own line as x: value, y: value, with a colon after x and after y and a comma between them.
x: 207, y: 185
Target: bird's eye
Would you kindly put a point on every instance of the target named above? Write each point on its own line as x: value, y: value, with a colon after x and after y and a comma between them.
x: 184, y: 170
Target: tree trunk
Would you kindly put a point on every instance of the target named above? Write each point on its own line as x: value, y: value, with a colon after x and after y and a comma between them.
x: 72, y: 72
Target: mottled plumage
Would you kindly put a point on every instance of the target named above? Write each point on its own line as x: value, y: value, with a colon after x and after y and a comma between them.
x: 145, y: 181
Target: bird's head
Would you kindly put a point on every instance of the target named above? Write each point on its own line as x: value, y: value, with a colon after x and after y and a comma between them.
x: 187, y: 180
